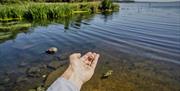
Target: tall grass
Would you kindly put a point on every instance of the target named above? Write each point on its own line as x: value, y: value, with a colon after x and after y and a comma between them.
x: 107, y: 5
x: 7, y: 11
x: 46, y: 10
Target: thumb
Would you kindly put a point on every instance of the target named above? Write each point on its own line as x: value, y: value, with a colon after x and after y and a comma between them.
x: 74, y: 56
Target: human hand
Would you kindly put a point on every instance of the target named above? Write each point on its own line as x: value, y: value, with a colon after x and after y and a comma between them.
x: 81, y: 69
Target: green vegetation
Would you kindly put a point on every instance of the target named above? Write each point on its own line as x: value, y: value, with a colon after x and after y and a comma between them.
x: 32, y: 11
x: 42, y: 1
x: 107, y: 5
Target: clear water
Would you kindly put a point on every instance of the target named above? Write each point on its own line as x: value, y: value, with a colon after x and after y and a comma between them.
x: 140, y: 43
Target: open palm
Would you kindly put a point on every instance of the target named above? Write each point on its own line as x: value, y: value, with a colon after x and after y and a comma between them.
x: 81, y: 68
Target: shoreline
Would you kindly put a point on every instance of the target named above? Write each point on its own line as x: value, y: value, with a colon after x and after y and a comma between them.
x: 34, y: 11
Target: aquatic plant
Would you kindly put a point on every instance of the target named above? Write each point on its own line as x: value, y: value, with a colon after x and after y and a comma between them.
x: 36, y: 12
x: 108, y: 5
x: 32, y: 11
x: 7, y: 12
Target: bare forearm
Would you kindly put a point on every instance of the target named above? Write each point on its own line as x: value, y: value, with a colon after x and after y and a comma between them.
x: 69, y: 75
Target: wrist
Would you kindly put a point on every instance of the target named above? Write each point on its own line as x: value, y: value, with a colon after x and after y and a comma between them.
x: 70, y: 76
x: 75, y: 80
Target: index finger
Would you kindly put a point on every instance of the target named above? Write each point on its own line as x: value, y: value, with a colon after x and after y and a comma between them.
x: 94, y: 62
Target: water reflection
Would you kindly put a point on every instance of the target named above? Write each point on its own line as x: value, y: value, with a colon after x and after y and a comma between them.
x: 9, y: 30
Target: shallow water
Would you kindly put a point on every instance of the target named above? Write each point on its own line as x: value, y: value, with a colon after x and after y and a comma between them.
x: 140, y: 43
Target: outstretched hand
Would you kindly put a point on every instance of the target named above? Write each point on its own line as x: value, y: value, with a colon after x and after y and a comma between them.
x: 81, y: 68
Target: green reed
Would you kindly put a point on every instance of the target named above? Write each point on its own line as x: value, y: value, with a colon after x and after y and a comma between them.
x: 33, y: 11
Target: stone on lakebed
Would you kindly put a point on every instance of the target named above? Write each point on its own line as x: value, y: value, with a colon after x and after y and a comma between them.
x: 107, y: 74
x: 33, y: 71
x: 52, y: 50
x: 54, y: 64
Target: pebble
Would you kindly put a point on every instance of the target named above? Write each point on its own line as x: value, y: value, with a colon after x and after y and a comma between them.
x: 44, y: 76
x: 52, y: 50
x: 107, y: 74
x: 40, y: 89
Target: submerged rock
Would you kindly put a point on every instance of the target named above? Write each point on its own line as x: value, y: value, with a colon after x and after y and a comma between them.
x: 42, y: 66
x: 39, y: 70
x: 52, y: 50
x: 2, y: 88
x: 32, y: 90
x: 22, y: 64
x: 54, y: 64
x: 40, y: 88
x: 44, y: 76
x: 107, y: 74
x: 21, y: 79
x: 4, y: 80
x: 33, y: 72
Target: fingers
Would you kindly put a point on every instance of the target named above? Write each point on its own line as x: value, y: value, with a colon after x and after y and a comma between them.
x: 89, y: 58
x: 94, y: 62
x: 84, y: 57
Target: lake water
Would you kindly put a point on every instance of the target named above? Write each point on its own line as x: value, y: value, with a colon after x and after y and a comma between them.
x: 140, y: 43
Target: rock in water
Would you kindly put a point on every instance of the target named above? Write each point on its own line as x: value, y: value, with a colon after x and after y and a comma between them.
x: 54, y: 64
x: 21, y: 79
x: 32, y: 90
x: 40, y: 89
x: 2, y: 88
x: 107, y: 74
x: 4, y: 79
x: 33, y: 72
x: 44, y: 76
x: 52, y: 50
x: 22, y: 64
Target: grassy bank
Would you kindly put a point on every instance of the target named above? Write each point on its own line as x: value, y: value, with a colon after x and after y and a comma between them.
x: 50, y: 10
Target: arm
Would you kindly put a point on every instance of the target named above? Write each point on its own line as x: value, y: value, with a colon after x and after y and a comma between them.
x: 62, y: 84
x: 80, y: 70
